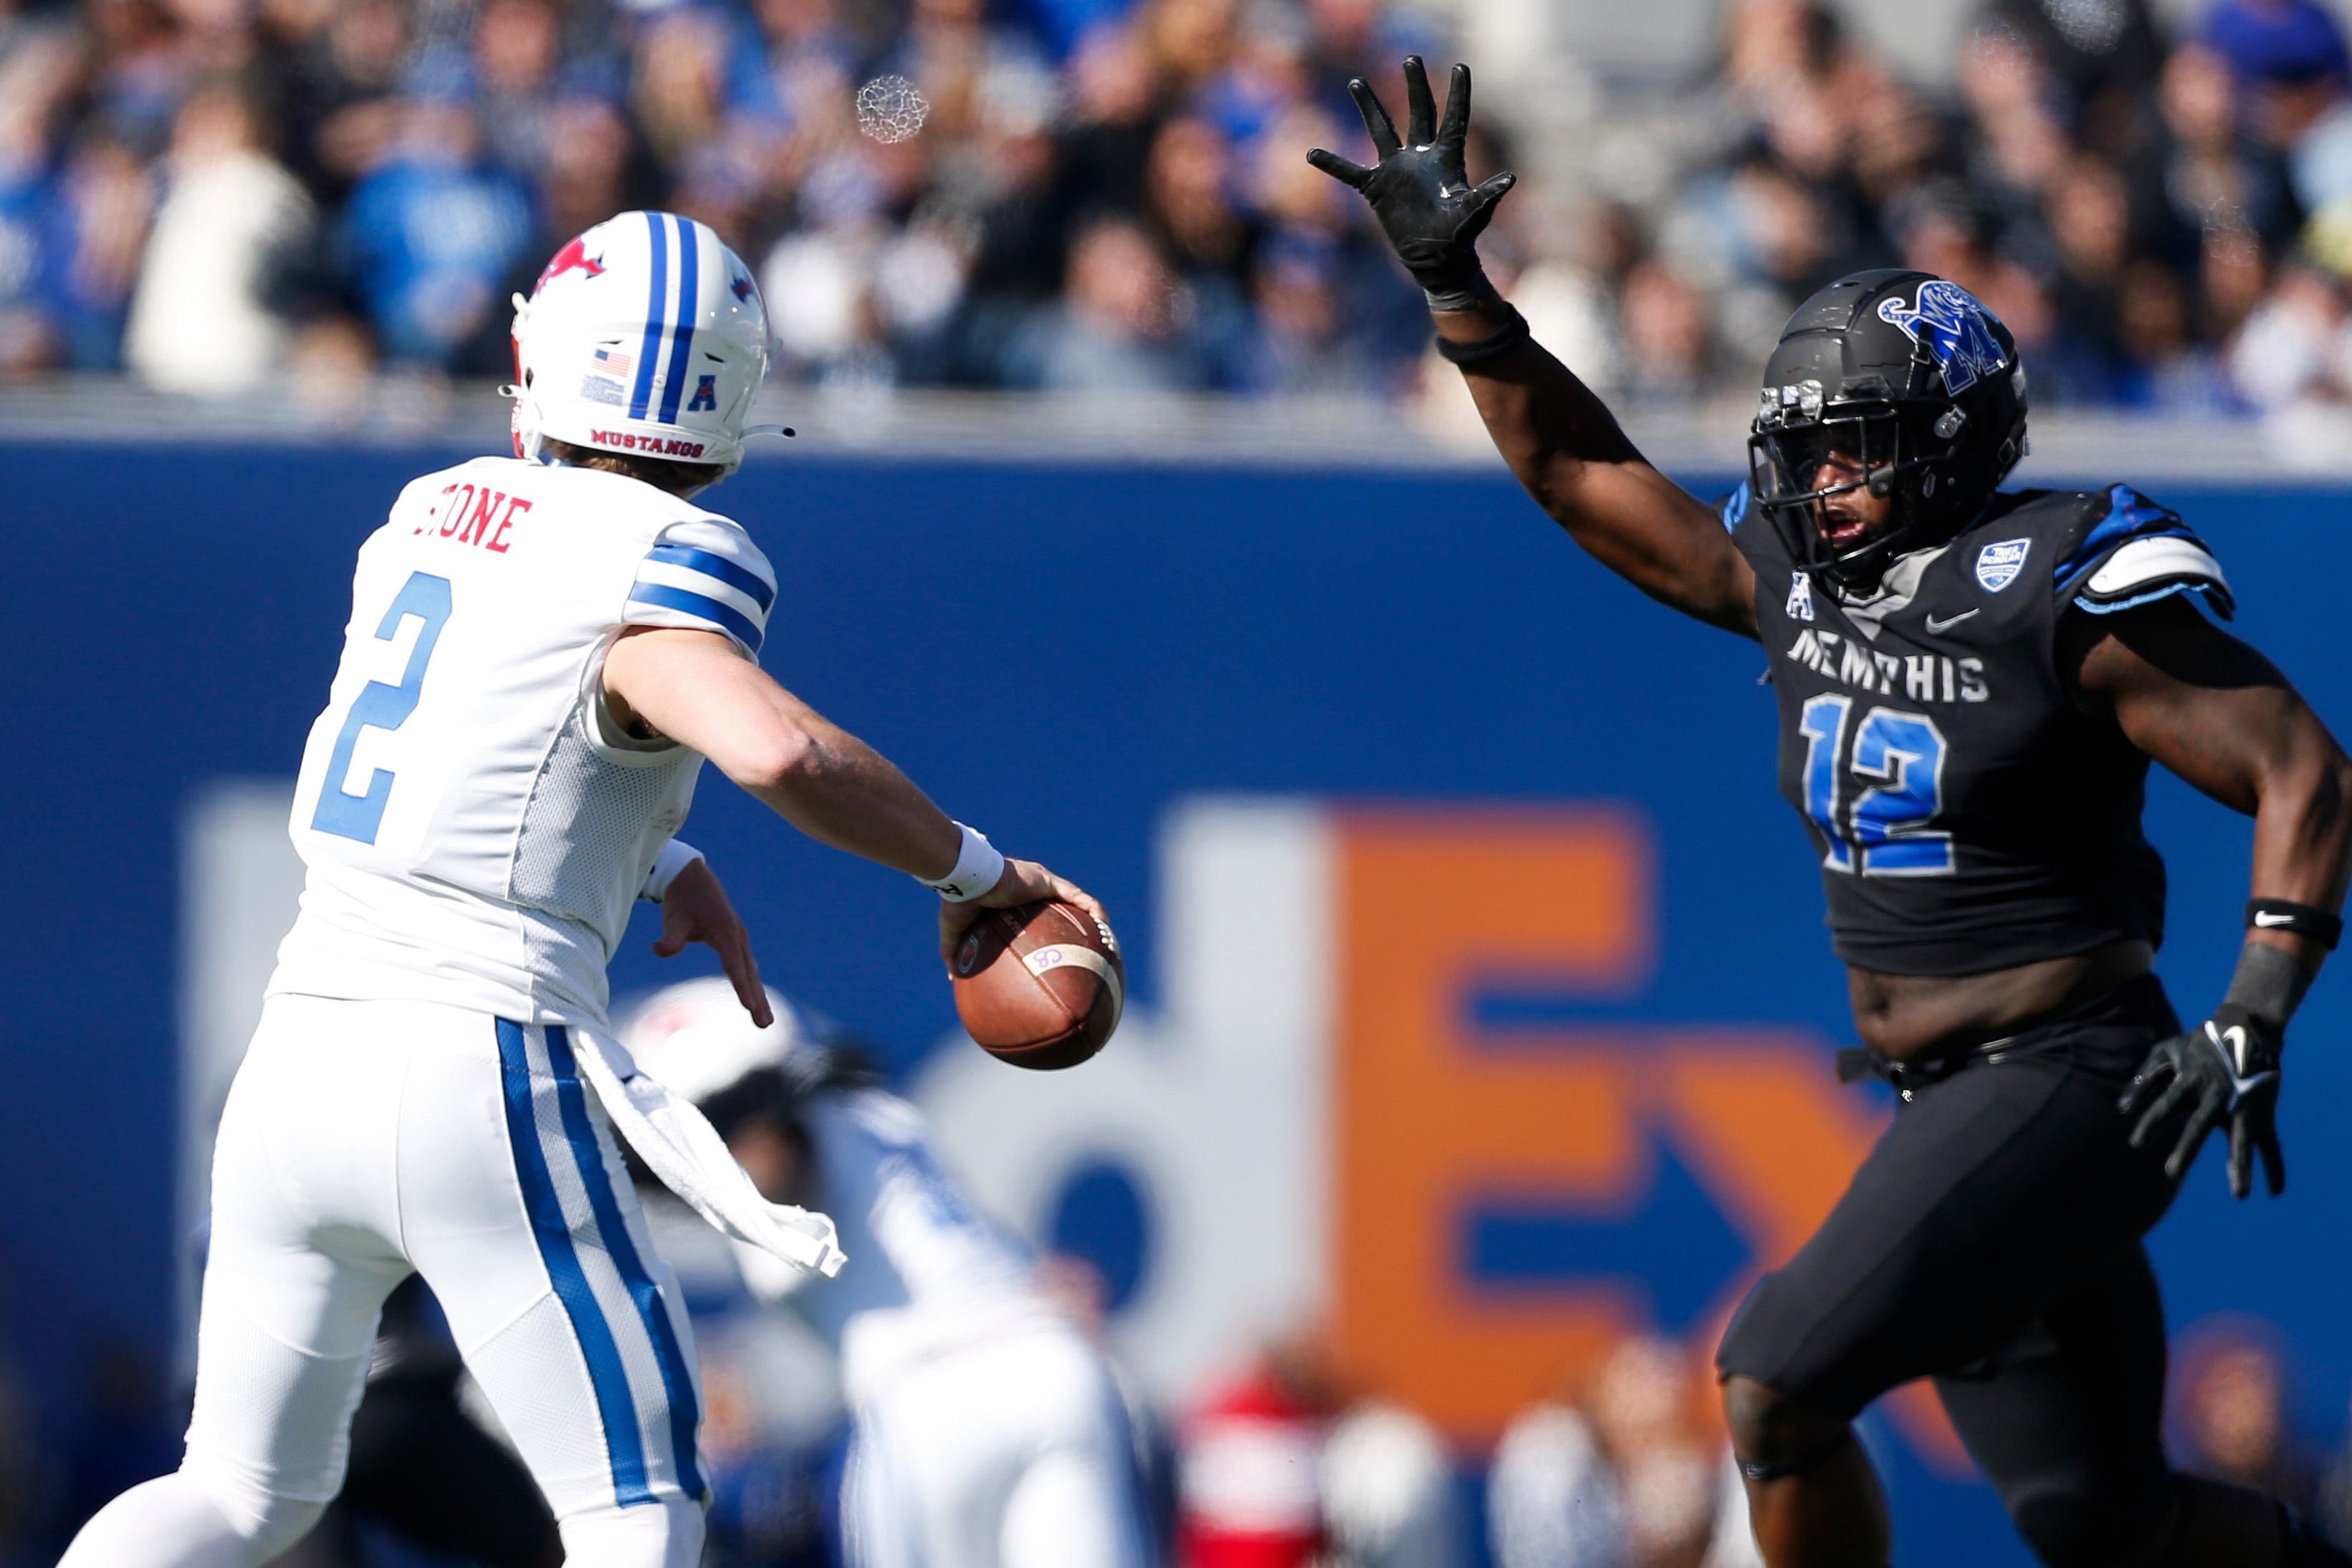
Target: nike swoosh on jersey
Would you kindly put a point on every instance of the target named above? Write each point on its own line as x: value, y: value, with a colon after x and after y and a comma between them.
x: 1949, y: 622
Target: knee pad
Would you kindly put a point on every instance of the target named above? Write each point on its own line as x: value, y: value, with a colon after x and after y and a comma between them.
x: 2077, y: 1524
x: 1763, y: 1341
x: 1773, y: 1437
x: 191, y: 1518
x: 2301, y: 1547
x: 2068, y: 1529
x: 266, y: 1521
x: 666, y: 1533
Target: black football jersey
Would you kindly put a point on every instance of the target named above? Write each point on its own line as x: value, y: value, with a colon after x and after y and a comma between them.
x: 1969, y: 815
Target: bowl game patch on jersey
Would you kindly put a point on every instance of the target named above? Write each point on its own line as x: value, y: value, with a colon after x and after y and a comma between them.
x: 1999, y: 563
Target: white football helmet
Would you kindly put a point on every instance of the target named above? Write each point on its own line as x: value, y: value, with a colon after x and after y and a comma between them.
x: 697, y: 1039
x: 645, y: 334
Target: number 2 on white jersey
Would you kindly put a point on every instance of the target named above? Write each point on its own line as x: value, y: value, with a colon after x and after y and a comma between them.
x: 382, y: 706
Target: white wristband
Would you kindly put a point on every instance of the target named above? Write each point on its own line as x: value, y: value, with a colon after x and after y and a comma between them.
x: 978, y: 866
x: 676, y: 856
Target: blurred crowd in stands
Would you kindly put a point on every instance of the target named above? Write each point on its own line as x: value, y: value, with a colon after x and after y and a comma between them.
x: 226, y: 194
x: 1275, y: 1465
x: 2163, y: 216
x: 276, y: 196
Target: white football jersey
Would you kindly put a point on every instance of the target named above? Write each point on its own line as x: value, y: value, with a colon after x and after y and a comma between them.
x: 932, y: 1274
x: 476, y: 829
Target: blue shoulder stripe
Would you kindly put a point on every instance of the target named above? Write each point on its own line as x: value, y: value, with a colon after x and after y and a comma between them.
x: 1734, y: 507
x: 742, y: 579
x: 2216, y: 598
x: 702, y: 607
x: 2130, y: 515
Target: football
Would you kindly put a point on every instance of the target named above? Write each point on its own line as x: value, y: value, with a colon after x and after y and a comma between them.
x: 1040, y: 986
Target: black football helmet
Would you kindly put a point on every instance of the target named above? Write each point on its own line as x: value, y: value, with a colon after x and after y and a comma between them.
x: 1912, y: 375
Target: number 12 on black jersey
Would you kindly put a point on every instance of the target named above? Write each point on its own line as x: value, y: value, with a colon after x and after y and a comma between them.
x: 1887, y: 827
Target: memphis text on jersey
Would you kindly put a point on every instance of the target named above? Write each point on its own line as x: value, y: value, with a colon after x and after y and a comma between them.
x: 1920, y: 677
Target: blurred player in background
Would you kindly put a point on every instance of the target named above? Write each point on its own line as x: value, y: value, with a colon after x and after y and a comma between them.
x: 422, y: 1468
x: 990, y: 1432
x: 1971, y: 685
x: 542, y: 649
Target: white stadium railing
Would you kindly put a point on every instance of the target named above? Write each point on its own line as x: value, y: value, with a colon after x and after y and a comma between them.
x: 2302, y: 447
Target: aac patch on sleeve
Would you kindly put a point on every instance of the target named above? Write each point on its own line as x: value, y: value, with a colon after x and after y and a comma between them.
x: 706, y: 575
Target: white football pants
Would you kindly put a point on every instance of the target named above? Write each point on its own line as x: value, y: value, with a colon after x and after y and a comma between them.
x: 1011, y: 1454
x: 363, y: 1141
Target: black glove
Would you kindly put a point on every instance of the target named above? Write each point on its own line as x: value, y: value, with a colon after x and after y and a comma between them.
x: 1421, y: 192
x: 2227, y: 1066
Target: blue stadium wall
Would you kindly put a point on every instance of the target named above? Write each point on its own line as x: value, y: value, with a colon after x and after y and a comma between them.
x: 1058, y: 653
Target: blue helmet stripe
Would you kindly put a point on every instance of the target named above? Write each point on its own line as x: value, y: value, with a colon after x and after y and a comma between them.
x: 656, y: 307
x: 689, y: 273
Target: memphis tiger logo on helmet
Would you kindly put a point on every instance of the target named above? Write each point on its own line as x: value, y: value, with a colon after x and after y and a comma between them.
x: 1955, y: 329
x: 645, y: 334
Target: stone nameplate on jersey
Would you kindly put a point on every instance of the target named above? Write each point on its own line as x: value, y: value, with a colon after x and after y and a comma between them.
x: 481, y: 516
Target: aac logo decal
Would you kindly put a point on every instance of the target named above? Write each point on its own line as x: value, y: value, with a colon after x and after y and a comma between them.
x: 1799, y: 607
x: 1998, y: 565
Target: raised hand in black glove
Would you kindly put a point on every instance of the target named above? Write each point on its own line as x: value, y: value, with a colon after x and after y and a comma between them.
x: 1420, y: 191
x: 2225, y: 1067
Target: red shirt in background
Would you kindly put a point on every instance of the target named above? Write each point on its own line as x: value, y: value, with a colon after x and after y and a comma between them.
x: 1250, y: 1495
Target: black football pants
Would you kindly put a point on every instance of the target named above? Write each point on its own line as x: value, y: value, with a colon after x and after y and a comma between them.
x: 1991, y: 1241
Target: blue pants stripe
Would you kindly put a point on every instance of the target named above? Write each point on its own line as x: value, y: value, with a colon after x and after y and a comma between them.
x: 608, y: 1378
x: 684, y: 1415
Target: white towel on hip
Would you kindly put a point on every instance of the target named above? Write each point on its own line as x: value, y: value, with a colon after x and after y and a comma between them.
x: 681, y: 1148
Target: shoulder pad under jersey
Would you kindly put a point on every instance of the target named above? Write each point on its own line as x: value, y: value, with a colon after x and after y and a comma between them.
x: 2131, y: 550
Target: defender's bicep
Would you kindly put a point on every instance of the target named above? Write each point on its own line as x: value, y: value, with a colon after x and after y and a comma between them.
x: 2188, y: 694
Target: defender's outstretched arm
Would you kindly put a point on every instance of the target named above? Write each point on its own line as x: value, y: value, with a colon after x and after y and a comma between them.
x: 1566, y: 448
x: 694, y: 688
x: 1559, y: 438
x: 2220, y: 716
